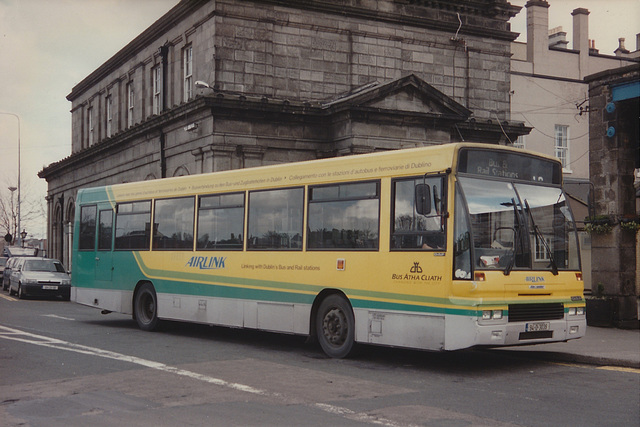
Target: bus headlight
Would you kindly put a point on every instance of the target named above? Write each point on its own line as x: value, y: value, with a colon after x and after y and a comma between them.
x: 576, y: 311
x: 491, y: 314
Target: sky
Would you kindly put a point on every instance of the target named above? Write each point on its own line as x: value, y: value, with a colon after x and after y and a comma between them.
x: 48, y: 46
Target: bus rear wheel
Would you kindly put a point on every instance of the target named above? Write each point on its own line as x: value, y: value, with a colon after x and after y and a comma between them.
x: 145, y: 307
x: 335, y: 326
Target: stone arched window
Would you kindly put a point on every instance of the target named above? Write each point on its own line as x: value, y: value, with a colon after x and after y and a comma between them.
x: 57, y: 232
x: 181, y: 171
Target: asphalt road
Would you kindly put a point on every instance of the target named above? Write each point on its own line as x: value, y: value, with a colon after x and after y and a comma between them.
x: 62, y: 364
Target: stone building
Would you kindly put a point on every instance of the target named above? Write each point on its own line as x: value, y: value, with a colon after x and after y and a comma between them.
x: 614, y: 157
x: 224, y: 84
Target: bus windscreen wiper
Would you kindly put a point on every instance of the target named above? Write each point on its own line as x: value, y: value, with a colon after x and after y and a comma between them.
x: 554, y: 267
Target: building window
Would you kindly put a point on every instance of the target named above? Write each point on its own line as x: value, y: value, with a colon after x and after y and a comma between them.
x: 542, y: 253
x: 130, y: 104
x: 188, y: 72
x: 109, y: 107
x: 90, y: 125
x: 562, y: 144
x: 520, y: 142
x: 344, y: 216
x: 157, y: 89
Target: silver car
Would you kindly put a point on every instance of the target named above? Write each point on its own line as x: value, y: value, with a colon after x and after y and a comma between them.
x: 39, y: 277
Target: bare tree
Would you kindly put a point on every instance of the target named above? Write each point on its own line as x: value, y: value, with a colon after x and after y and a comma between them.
x: 31, y: 208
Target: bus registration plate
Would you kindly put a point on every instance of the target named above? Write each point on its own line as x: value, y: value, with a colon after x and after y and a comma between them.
x: 50, y: 287
x: 537, y: 326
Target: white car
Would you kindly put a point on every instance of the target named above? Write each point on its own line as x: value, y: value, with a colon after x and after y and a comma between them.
x: 39, y: 277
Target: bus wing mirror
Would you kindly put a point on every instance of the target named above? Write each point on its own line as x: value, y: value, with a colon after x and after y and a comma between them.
x: 423, y: 199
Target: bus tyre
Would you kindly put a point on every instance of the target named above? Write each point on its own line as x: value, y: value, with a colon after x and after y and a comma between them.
x: 145, y: 307
x: 335, y: 326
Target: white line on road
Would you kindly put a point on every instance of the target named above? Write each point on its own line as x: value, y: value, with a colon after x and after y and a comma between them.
x: 55, y: 316
x: 44, y: 341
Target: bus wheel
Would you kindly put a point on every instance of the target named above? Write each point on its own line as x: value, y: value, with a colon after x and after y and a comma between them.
x: 145, y: 307
x: 335, y: 326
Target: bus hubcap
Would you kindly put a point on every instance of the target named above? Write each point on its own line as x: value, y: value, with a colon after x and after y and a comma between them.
x: 335, y: 326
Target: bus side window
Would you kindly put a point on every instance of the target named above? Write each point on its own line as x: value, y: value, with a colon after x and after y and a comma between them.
x: 87, y: 240
x: 105, y: 230
x: 173, y: 223
x: 275, y: 219
x: 133, y: 226
x: 418, y: 211
x: 220, y: 222
x: 344, y: 216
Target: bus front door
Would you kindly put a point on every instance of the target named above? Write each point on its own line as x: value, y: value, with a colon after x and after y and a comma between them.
x: 104, y: 254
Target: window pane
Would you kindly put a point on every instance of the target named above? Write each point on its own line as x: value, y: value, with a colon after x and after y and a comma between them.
x: 105, y: 231
x: 87, y: 240
x: 275, y: 219
x: 133, y: 226
x: 221, y: 222
x: 173, y: 224
x: 412, y: 230
x: 344, y: 216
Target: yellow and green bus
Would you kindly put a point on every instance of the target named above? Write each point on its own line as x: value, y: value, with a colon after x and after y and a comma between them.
x: 438, y: 248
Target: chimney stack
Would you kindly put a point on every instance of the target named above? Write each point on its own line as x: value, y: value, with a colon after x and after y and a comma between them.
x: 537, y: 31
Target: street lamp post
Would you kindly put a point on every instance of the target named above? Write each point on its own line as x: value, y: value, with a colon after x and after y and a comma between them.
x: 18, y: 118
x: 15, y: 230
x: 24, y: 236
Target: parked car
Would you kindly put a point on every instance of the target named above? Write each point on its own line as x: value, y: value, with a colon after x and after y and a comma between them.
x: 6, y: 275
x: 3, y: 262
x: 39, y: 277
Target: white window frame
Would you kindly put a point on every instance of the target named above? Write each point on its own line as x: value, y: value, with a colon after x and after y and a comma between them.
x: 542, y: 254
x: 157, y: 89
x: 187, y: 60
x: 130, y: 104
x: 520, y: 142
x: 109, y: 121
x: 561, y: 145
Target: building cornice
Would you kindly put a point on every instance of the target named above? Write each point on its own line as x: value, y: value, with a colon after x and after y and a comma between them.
x: 157, y: 29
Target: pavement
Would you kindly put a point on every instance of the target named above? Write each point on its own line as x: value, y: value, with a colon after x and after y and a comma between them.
x: 599, y: 346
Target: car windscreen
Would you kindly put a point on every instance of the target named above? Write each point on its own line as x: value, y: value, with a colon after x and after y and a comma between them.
x: 43, y: 265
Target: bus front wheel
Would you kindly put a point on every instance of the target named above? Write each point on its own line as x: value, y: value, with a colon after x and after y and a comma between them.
x: 335, y: 326
x: 145, y: 307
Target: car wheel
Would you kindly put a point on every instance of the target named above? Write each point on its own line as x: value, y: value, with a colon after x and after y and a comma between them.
x: 21, y: 293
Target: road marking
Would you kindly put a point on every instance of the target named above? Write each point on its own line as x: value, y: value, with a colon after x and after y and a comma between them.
x: 55, y: 316
x: 8, y: 298
x: 619, y: 369
x: 44, y: 341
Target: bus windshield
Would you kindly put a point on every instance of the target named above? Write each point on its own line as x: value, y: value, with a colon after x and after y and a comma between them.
x: 515, y: 226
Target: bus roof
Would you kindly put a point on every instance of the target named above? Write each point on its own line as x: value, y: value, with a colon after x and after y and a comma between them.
x: 404, y: 162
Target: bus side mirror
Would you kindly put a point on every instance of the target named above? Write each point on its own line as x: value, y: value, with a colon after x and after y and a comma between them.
x: 423, y: 199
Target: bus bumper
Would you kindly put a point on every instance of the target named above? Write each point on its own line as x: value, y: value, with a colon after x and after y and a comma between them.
x: 526, y: 333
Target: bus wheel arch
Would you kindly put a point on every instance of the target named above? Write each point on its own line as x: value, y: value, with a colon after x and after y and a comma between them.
x: 333, y: 323
x: 145, y: 306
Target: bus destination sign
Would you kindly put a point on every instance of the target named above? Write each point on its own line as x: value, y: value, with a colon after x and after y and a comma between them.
x: 509, y: 165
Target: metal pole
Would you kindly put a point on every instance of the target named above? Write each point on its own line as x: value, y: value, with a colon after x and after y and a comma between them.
x: 17, y: 117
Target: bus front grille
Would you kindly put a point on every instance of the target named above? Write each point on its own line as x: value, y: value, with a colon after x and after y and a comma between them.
x: 533, y: 312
